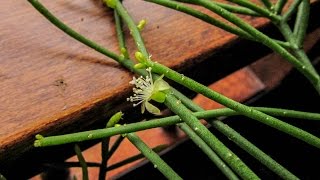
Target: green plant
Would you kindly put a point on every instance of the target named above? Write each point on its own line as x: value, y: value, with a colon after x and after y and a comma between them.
x: 152, y: 87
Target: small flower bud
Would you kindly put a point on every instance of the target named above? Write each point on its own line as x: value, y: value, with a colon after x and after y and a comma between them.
x: 37, y: 143
x: 39, y: 136
x: 110, y: 3
x: 114, y: 119
x: 140, y: 57
x: 139, y: 66
x: 124, y: 52
x: 141, y: 24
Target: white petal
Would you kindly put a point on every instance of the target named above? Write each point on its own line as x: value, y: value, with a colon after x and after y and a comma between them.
x: 160, y: 85
x: 142, y: 108
x: 152, y: 109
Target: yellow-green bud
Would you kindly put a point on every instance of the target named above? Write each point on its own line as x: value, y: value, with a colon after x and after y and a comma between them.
x: 140, y: 57
x: 141, y: 24
x: 110, y: 3
x: 124, y: 52
x: 39, y: 136
x: 139, y: 66
x: 122, y: 57
x: 114, y: 119
x: 37, y: 143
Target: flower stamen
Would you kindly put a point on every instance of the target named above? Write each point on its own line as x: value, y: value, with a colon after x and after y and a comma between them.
x: 146, y: 89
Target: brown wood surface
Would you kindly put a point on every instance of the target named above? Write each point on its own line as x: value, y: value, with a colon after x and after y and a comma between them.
x: 51, y: 84
x: 49, y: 79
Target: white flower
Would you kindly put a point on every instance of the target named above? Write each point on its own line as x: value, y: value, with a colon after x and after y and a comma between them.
x: 145, y: 90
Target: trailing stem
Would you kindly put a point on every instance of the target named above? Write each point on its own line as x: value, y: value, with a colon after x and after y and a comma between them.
x: 240, y: 140
x: 167, y: 121
x: 163, y: 167
x: 228, y: 156
x: 310, y: 74
x: 240, y: 108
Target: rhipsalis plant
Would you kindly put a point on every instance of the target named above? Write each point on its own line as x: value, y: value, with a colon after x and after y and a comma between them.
x: 151, y: 86
x: 291, y: 50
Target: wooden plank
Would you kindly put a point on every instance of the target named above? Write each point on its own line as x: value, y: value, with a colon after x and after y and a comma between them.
x: 48, y: 79
x: 51, y: 84
x: 240, y: 86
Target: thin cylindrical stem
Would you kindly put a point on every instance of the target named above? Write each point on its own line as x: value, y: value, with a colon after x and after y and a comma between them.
x: 120, y: 35
x: 167, y: 121
x: 292, y: 9
x: 131, y: 159
x: 104, y: 159
x: 301, y: 54
x: 208, y: 151
x: 267, y: 4
x: 85, y: 175
x: 271, y: 111
x: 301, y: 24
x: 237, y: 9
x: 296, y: 49
x: 243, y: 4
x: 115, y: 146
x: 162, y: 166
x: 102, y: 133
x: 264, y: 12
x: 109, y: 168
x: 132, y: 27
x: 278, y: 7
x: 72, y: 164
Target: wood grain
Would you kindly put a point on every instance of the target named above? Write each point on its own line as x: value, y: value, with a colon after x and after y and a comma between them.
x: 46, y: 75
x: 51, y: 84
